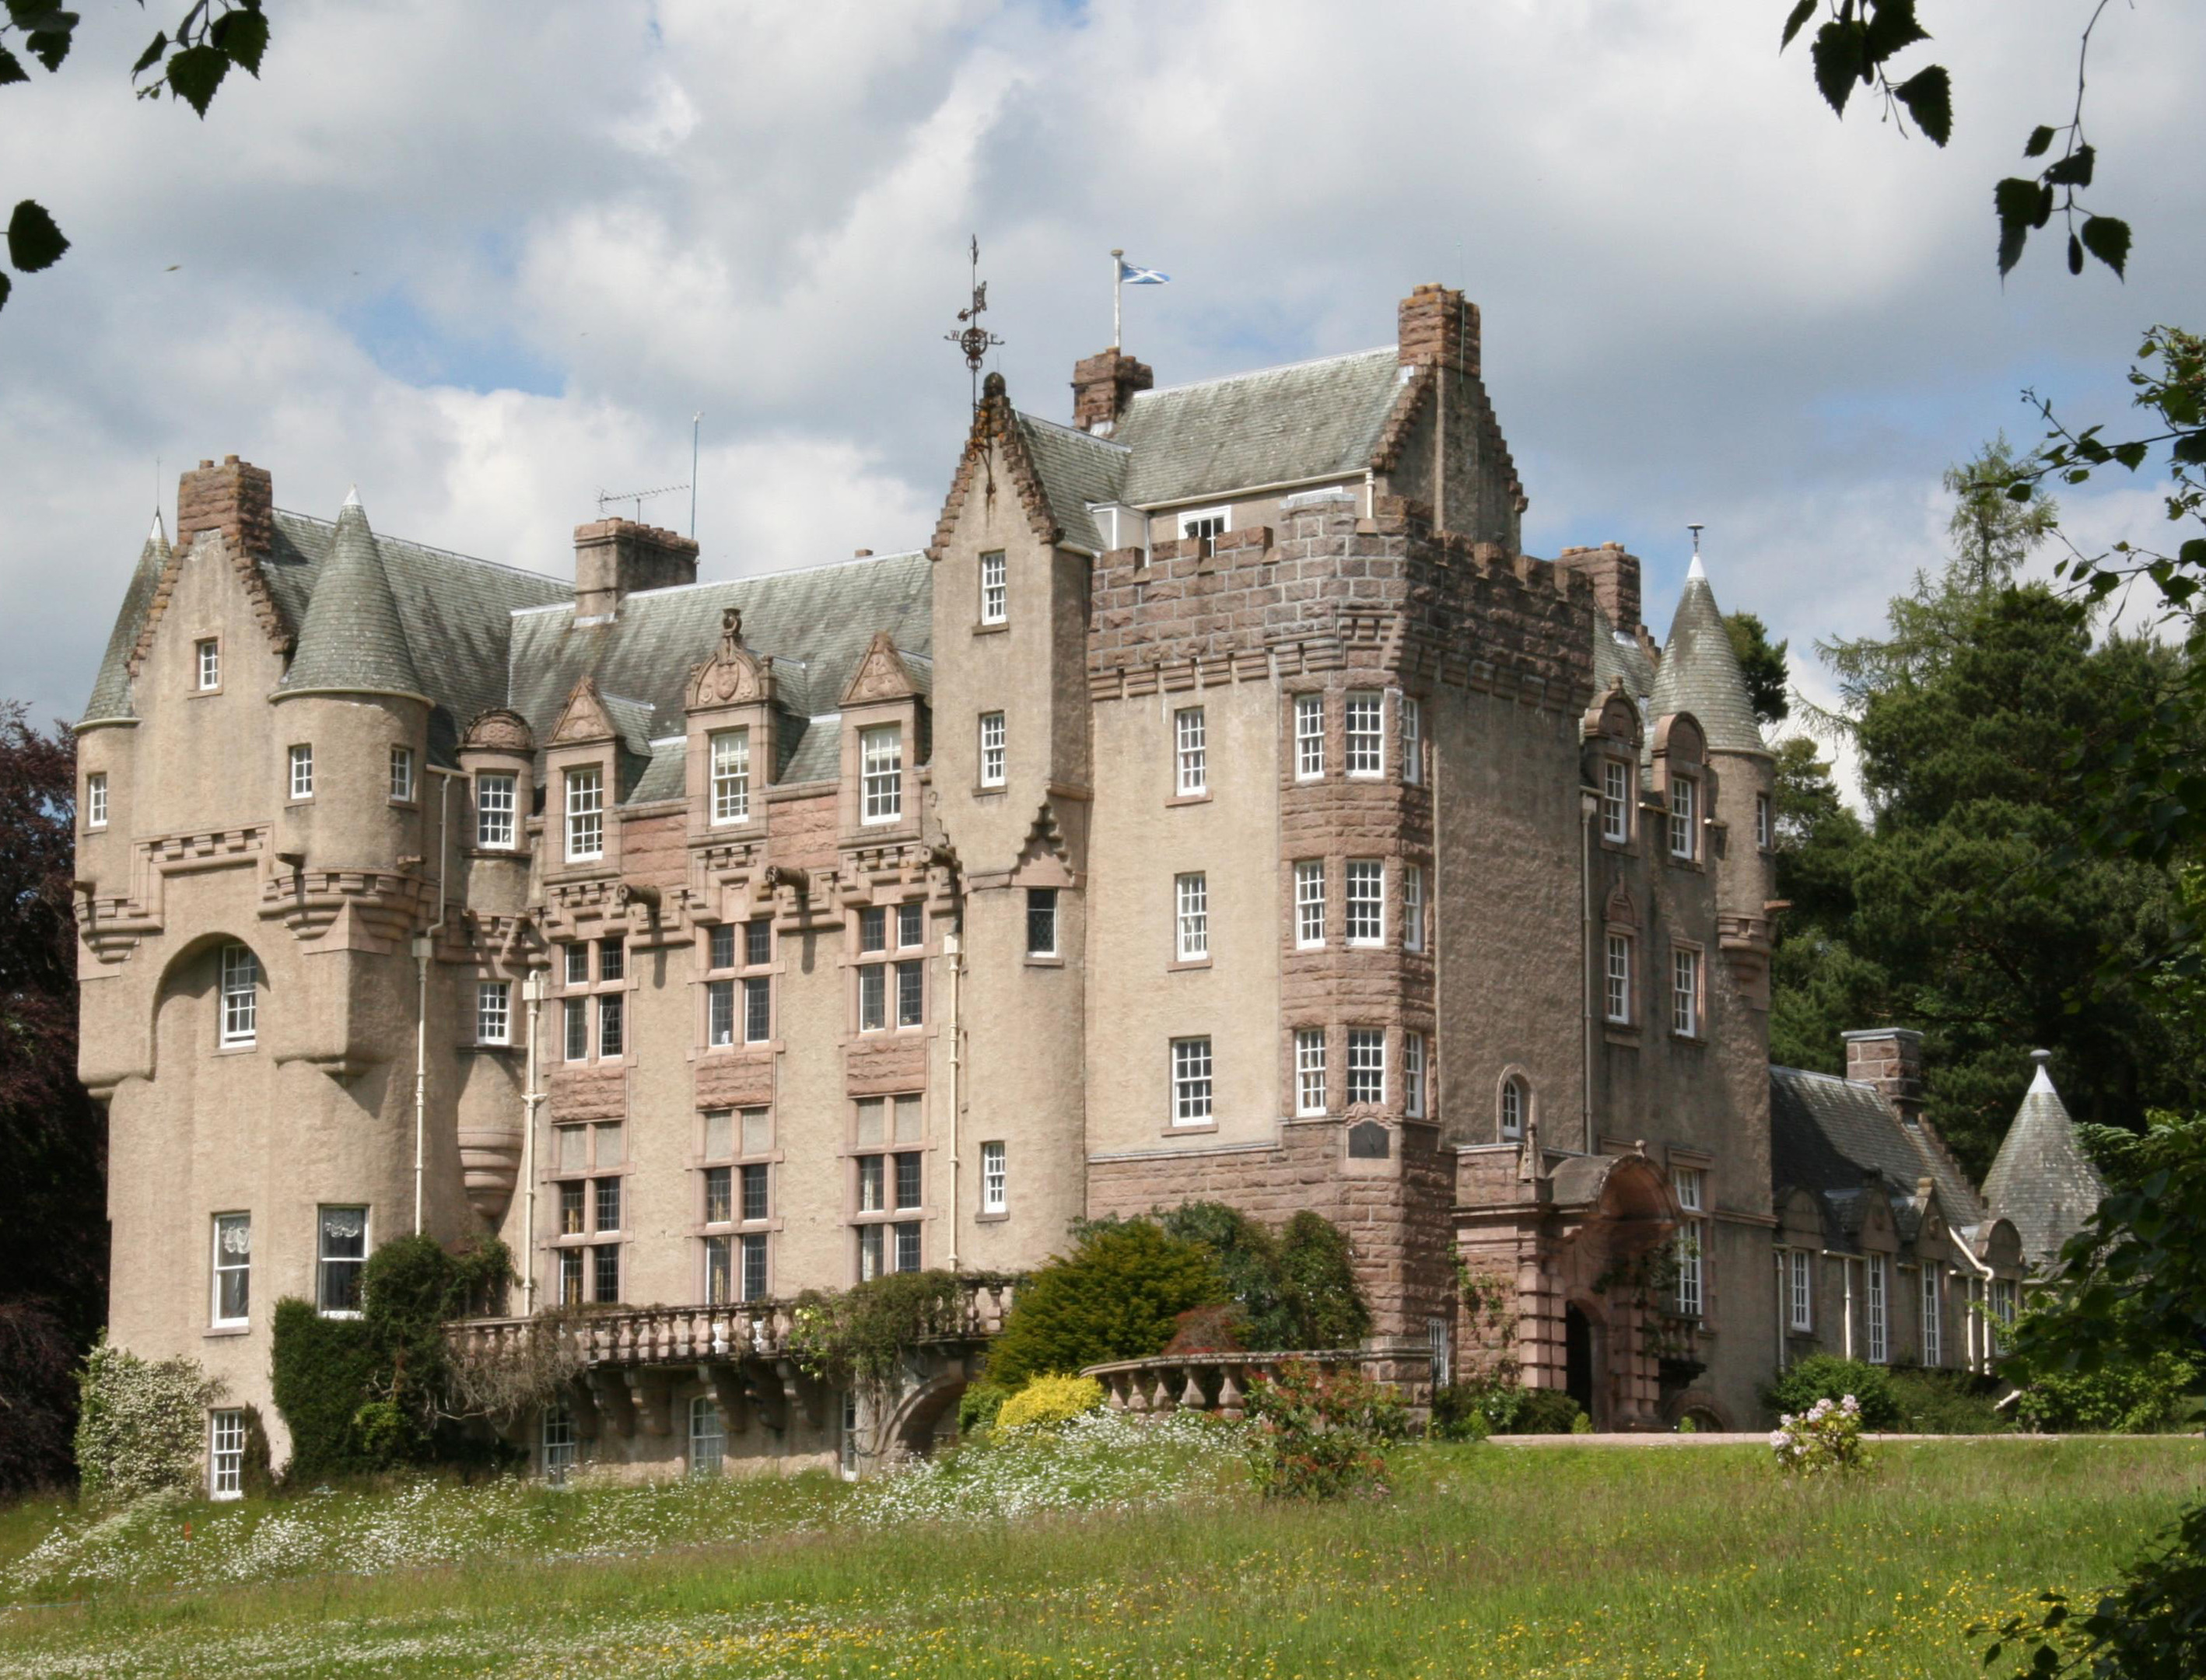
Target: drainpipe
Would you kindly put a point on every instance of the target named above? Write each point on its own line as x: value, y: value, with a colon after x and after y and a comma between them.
x: 532, y: 988
x: 1846, y: 1272
x: 1589, y: 803
x: 424, y: 942
x: 951, y: 949
x: 1782, y: 1307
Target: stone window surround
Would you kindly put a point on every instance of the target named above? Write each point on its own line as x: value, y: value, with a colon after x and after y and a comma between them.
x: 590, y: 990
x: 1528, y: 1104
x: 1699, y: 954
x: 206, y: 649
x: 95, y: 799
x: 1000, y: 1209
x: 704, y: 973
x: 553, y: 1243
x: 891, y: 954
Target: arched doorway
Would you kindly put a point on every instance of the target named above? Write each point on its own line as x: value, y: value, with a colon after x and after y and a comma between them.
x: 1577, y: 1358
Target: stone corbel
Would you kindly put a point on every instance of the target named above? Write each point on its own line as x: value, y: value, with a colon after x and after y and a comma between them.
x: 654, y: 1389
x: 582, y: 1401
x: 612, y: 1390
x: 727, y: 1381
x: 803, y: 1391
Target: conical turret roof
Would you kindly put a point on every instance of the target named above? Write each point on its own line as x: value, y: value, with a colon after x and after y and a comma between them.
x: 2042, y: 1182
x: 1700, y: 672
x: 111, y: 690
x: 353, y: 639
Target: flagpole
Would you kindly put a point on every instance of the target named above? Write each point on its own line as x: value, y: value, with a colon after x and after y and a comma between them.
x: 1117, y: 275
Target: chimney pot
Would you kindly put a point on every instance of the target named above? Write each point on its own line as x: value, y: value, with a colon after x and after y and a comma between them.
x: 237, y: 498
x: 1615, y: 575
x: 615, y: 557
x: 1102, y: 386
x: 861, y: 554
x: 1437, y: 327
x: 1889, y: 1058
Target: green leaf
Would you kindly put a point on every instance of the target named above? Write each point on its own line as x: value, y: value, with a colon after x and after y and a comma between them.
x: 1838, y: 62
x: 6, y: 286
x: 243, y: 37
x: 1793, y: 24
x: 2193, y: 553
x: 2076, y: 266
x: 2040, y: 138
x: 2107, y: 238
x: 34, y: 242
x: 2015, y: 201
x: 2044, y: 207
x: 1892, y: 28
x: 2132, y: 455
x: 195, y: 74
x: 2190, y: 449
x: 2074, y: 170
x: 1929, y: 96
x: 151, y: 57
x: 49, y: 42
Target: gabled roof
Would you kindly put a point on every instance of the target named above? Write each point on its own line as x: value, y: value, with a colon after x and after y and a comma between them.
x: 1074, y: 469
x: 1308, y: 420
x: 1700, y: 672
x: 2042, y: 1182
x: 1825, y: 1133
x: 110, y: 690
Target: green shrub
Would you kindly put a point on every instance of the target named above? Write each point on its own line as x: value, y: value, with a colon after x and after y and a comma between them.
x: 1828, y: 1377
x: 1687, y: 1427
x: 1317, y: 1276
x: 1296, y: 1288
x: 2123, y: 1397
x: 1316, y: 1433
x: 1459, y: 1413
x: 322, y: 1372
x: 141, y: 1424
x: 1116, y: 1296
x: 978, y: 1406
x: 1946, y: 1402
x: 1048, y: 1400
x: 1582, y: 1425
x: 861, y: 1334
x: 1546, y: 1411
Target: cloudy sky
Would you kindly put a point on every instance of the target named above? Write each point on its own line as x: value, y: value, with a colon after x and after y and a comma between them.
x: 487, y: 260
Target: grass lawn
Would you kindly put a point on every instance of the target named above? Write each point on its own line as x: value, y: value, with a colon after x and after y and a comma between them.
x: 1562, y: 1561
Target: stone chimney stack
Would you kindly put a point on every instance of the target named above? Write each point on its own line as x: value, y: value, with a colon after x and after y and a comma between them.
x: 1615, y: 575
x: 1438, y: 327
x: 615, y: 558
x: 1891, y: 1059
x: 1102, y: 386
x: 236, y: 498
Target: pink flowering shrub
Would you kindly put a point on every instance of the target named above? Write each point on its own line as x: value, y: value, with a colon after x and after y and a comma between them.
x: 1826, y: 1439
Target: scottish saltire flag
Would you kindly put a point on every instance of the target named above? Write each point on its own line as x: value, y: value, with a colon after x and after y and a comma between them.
x: 1140, y: 277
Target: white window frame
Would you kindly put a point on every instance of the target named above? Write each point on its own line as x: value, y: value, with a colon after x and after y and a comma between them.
x: 95, y: 800
x: 1684, y: 991
x: 402, y: 775
x: 1761, y: 823
x: 1689, y: 1184
x: 1309, y: 737
x: 301, y: 760
x: 995, y: 590
x: 493, y: 1011
x: 1367, y: 910
x: 226, y: 1452
x: 1310, y: 904
x: 995, y: 1179
x: 1413, y: 907
x: 1878, y: 1309
x: 1684, y: 818
x: 1800, y: 1290
x: 729, y: 771
x: 1367, y: 1064
x: 1413, y: 740
x: 1934, y: 1315
x: 1193, y: 1082
x: 238, y: 1005
x: 1190, y: 519
x: 584, y: 802
x: 1366, y: 743
x: 1311, y: 1094
x: 210, y: 663
x: 1191, y: 753
x: 242, y: 1223
x: 1191, y: 916
x: 1616, y: 801
x: 324, y: 1260
x: 497, y: 820
x: 994, y: 754
x: 880, y: 773
x: 1515, y: 1101
x: 1616, y: 980
x: 1413, y: 1075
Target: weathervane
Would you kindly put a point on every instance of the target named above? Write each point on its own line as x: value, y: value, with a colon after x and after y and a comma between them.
x: 976, y: 340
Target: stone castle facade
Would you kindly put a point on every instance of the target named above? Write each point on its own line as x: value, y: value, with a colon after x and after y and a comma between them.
x: 1221, y: 804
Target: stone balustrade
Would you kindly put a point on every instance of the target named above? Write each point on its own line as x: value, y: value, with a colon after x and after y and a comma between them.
x: 1214, y: 1382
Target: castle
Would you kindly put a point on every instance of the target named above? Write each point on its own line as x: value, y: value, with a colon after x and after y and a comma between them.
x: 1221, y: 804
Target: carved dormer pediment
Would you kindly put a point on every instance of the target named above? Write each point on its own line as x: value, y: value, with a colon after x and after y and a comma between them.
x: 881, y: 675
x: 734, y: 675
x: 498, y: 730
x: 1622, y: 912
x: 585, y: 719
x: 1613, y: 715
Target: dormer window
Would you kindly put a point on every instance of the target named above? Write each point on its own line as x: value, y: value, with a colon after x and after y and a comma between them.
x: 1684, y: 818
x: 731, y: 776
x: 209, y: 664
x: 880, y: 752
x: 995, y: 591
x: 494, y: 797
x: 1205, y: 526
x: 586, y: 814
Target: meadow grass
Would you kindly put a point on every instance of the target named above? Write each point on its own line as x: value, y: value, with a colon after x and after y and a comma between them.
x: 1483, y: 1562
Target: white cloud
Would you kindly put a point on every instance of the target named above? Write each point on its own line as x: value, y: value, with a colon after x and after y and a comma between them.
x: 1703, y: 298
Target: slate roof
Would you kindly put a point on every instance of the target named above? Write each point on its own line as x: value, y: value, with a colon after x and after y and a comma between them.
x: 1825, y: 1133
x: 111, y: 690
x: 1311, y: 419
x: 1076, y: 469
x: 1700, y: 673
x: 1618, y: 653
x: 2042, y: 1181
x: 353, y: 638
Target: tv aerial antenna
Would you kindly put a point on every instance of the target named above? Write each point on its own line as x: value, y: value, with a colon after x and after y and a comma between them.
x: 638, y: 496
